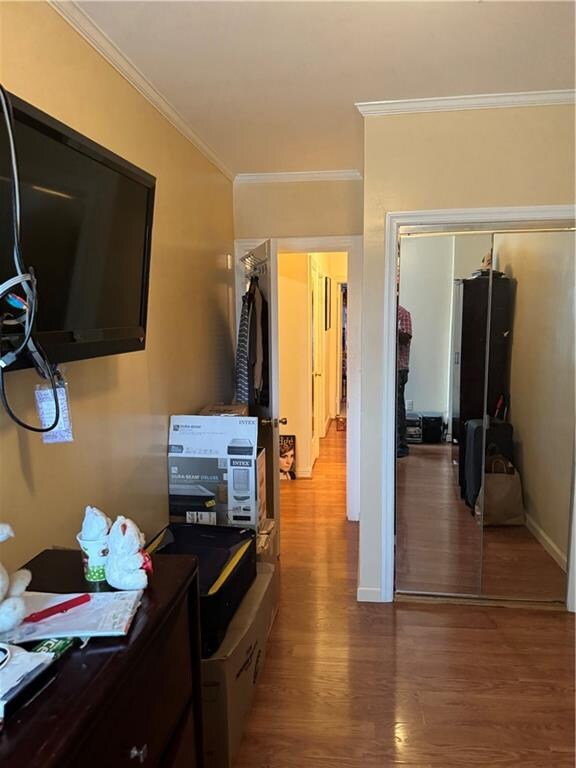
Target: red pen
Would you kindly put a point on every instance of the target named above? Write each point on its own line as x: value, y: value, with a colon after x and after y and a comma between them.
x: 59, y: 608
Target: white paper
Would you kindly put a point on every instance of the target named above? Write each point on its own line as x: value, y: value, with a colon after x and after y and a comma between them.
x: 62, y: 432
x: 20, y: 664
x: 107, y: 614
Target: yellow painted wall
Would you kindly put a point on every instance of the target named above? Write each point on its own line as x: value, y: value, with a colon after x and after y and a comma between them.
x: 295, y: 354
x: 339, y: 264
x: 339, y: 274
x: 542, y: 374
x: 294, y: 327
x: 120, y: 404
x: 335, y: 266
x: 298, y: 209
x: 477, y: 158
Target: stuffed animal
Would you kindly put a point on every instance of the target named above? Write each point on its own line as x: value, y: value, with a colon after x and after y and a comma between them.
x: 95, y: 525
x: 127, y: 563
x: 12, y: 608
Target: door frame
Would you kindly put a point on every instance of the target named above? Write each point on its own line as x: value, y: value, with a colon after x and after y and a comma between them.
x: 316, y: 348
x: 353, y: 245
x: 339, y: 317
x: 430, y: 221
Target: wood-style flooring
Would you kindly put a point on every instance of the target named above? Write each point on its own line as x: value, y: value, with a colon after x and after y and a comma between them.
x: 360, y: 685
x: 442, y: 548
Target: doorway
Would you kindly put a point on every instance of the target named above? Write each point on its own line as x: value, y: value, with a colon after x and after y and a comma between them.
x: 310, y: 353
x: 315, y: 346
x: 352, y: 245
x: 481, y: 509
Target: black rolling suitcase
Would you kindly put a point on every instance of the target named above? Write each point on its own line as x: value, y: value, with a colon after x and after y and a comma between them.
x: 227, y: 558
x: 498, y: 441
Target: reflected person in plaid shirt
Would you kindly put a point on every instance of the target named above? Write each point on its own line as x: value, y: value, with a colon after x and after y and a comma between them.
x: 404, y: 339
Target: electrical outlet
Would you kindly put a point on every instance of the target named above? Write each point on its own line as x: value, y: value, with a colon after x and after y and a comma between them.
x: 409, y: 405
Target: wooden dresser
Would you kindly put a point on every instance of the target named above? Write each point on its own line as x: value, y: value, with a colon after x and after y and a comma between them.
x: 118, y: 702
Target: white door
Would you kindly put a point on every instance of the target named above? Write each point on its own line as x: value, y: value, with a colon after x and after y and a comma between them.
x: 317, y: 383
x: 262, y: 261
x: 341, y: 343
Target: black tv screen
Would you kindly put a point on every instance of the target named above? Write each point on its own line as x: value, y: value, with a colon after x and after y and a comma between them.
x: 86, y: 223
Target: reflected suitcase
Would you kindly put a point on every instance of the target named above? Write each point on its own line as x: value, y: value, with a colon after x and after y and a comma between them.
x: 227, y: 568
x: 498, y: 440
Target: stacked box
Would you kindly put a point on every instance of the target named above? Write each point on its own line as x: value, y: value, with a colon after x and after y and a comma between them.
x: 212, y: 470
x: 267, y: 550
x: 413, y: 427
x: 261, y: 486
x: 230, y: 676
x: 220, y: 409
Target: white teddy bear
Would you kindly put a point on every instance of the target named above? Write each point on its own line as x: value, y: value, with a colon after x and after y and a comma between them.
x: 95, y: 525
x: 12, y: 607
x: 127, y: 563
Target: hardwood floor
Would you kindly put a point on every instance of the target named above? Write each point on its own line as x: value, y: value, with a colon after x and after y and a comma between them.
x: 438, y: 542
x: 359, y: 685
x: 442, y: 548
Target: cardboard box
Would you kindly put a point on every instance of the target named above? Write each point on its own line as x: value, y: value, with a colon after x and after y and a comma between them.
x: 267, y: 549
x: 219, y: 409
x: 212, y: 469
x: 229, y: 678
x: 261, y: 485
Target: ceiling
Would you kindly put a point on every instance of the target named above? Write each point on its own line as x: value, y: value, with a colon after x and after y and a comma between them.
x: 271, y: 86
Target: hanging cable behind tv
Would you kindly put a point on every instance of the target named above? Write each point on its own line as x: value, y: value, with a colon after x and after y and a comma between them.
x: 19, y: 297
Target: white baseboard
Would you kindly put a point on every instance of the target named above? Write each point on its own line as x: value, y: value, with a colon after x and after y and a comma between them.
x: 327, y: 425
x: 369, y: 595
x: 304, y: 473
x: 547, y: 542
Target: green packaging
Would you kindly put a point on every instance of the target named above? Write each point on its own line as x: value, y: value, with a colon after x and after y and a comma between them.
x: 57, y: 646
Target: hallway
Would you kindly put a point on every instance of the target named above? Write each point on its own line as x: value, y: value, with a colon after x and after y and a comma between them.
x: 357, y: 685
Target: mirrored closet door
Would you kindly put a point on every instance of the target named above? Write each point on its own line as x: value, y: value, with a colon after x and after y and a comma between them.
x: 485, y: 414
x: 438, y: 538
x: 529, y: 446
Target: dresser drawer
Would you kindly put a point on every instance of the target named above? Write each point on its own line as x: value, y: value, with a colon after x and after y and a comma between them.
x: 140, y: 719
x: 183, y: 749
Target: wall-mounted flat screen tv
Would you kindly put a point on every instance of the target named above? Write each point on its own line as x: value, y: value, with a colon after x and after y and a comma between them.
x: 86, y: 226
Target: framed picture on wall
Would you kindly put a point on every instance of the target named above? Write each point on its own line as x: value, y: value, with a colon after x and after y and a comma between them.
x: 327, y: 303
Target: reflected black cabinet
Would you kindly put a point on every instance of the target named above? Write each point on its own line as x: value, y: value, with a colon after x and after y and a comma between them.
x: 472, y: 322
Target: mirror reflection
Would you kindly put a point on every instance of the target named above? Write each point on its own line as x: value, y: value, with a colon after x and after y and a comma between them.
x: 529, y: 473
x: 485, y: 415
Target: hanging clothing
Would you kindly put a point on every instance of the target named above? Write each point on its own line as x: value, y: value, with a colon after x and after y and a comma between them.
x: 242, y: 394
x: 258, y: 353
x: 251, y: 373
x: 263, y: 393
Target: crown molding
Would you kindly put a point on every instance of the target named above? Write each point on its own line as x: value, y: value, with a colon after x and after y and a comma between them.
x: 99, y: 40
x: 297, y: 176
x: 455, y: 103
x: 314, y: 244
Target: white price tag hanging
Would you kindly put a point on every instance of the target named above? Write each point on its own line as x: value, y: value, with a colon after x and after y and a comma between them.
x: 46, y: 407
